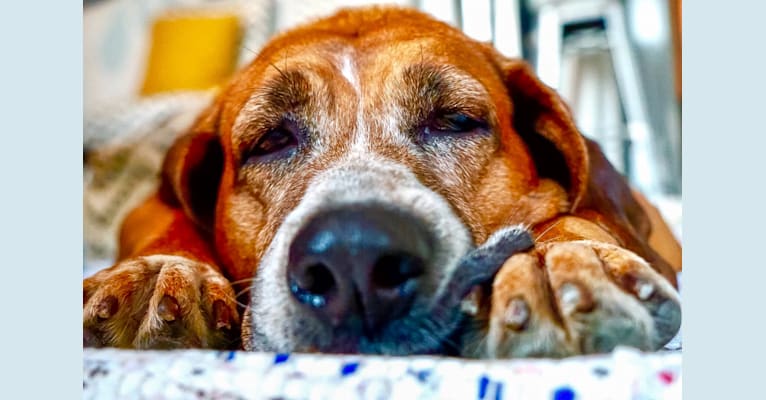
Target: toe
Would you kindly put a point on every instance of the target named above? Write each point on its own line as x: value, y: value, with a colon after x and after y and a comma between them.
x: 597, y: 314
x: 633, y: 275
x: 522, y: 321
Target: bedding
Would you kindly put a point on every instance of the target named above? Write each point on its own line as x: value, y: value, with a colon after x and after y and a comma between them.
x: 623, y: 374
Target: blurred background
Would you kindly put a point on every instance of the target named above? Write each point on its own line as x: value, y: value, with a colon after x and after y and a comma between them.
x: 151, y: 65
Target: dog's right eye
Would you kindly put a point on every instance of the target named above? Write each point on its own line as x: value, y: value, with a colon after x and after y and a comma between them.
x: 452, y: 124
x: 280, y: 142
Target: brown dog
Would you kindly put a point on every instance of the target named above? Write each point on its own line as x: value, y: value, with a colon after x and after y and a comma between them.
x: 346, y: 176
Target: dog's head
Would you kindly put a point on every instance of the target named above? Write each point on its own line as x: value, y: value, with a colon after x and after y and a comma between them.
x: 353, y: 163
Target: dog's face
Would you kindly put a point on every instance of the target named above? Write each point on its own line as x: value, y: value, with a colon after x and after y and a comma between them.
x: 363, y: 156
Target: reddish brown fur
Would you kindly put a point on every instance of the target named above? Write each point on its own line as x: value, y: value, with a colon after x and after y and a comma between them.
x: 501, y: 186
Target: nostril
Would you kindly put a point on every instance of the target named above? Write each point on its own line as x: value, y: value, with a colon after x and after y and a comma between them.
x: 359, y: 265
x: 319, y: 279
x: 313, y: 285
x: 392, y: 270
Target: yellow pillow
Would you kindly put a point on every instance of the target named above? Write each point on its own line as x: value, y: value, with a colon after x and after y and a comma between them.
x: 192, y: 50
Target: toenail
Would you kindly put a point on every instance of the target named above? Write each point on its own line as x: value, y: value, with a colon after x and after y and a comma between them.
x: 517, y: 314
x: 168, y: 309
x: 107, y: 307
x: 222, y: 315
x: 643, y: 289
x: 470, y: 304
x: 574, y: 298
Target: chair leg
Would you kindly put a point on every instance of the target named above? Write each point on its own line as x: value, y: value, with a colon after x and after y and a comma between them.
x: 507, y: 27
x: 642, y: 153
x: 549, y: 38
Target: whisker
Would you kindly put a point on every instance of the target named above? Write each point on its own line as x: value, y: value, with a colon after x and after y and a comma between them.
x: 281, y: 72
x: 551, y: 240
x: 243, y: 291
x: 245, y: 280
x: 477, y: 339
x: 425, y: 340
x: 436, y: 332
x: 239, y: 303
x: 235, y: 301
x: 250, y: 50
x: 547, y: 229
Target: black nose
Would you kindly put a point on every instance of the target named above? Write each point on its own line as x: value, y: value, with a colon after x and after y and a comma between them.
x: 359, y: 263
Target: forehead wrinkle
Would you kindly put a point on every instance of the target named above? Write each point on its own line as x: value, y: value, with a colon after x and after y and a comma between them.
x: 447, y: 87
x: 295, y: 92
x: 416, y: 91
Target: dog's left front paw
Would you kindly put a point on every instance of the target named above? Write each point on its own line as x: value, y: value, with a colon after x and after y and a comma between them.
x: 579, y: 297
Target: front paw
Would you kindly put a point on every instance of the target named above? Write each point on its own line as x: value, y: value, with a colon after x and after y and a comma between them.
x: 579, y: 297
x: 159, y: 302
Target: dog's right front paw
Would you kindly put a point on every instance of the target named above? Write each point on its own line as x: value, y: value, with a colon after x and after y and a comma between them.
x: 159, y: 302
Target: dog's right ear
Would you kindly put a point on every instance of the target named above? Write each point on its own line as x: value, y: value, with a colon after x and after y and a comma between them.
x: 191, y: 172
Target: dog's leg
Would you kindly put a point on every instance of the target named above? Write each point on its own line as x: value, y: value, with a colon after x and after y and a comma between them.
x: 165, y: 292
x: 579, y: 292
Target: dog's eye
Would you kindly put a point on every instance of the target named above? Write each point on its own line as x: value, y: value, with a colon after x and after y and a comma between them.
x: 279, y: 142
x: 453, y: 123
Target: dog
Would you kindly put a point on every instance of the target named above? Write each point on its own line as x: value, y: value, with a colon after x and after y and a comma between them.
x: 377, y: 182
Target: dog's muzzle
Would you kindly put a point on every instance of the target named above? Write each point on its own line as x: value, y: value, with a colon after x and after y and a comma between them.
x: 370, y: 261
x: 359, y: 268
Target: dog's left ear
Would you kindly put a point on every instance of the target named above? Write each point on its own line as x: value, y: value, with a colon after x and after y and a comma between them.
x: 559, y: 151
x: 546, y: 126
x: 192, y: 169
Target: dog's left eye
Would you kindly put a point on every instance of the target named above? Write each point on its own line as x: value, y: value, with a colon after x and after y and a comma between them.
x: 452, y: 123
x: 279, y: 142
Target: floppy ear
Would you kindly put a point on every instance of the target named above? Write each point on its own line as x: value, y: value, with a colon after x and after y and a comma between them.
x: 191, y: 171
x: 545, y: 124
x: 560, y: 152
x: 597, y: 191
